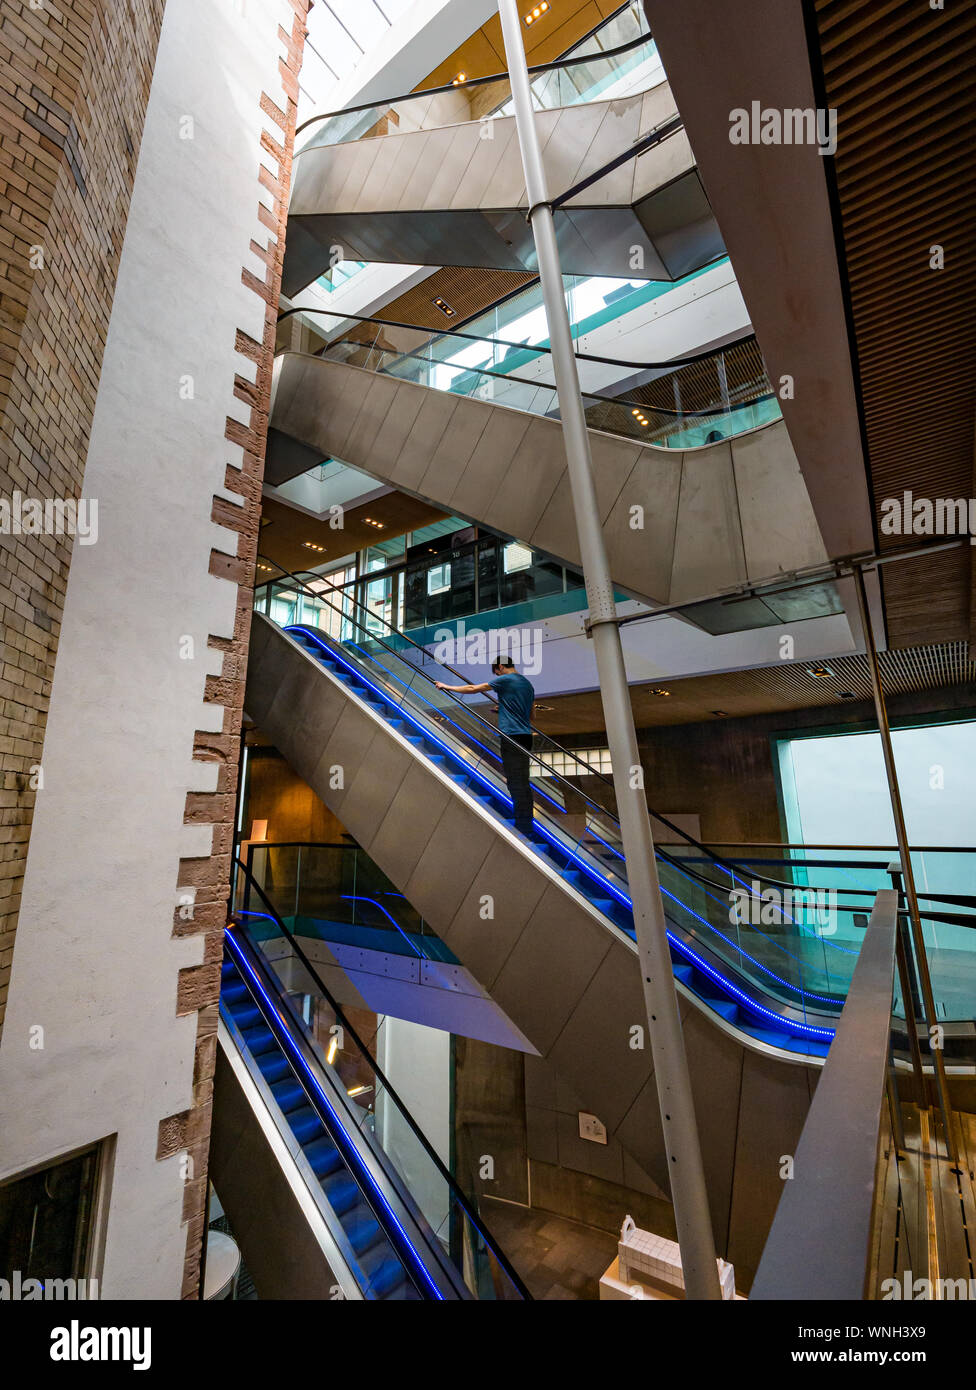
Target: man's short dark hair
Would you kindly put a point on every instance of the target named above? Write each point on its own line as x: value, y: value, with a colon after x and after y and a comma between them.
x: 503, y: 663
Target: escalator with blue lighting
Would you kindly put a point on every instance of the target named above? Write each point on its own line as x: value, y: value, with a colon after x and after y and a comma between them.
x: 543, y: 923
x: 781, y: 983
x: 771, y: 1008
x: 392, y: 1223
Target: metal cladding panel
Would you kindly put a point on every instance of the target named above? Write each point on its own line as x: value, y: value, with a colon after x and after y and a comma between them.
x: 708, y: 546
x: 507, y: 886
x: 506, y: 469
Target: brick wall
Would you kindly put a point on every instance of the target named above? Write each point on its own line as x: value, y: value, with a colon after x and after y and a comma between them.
x: 74, y: 84
x: 207, y: 879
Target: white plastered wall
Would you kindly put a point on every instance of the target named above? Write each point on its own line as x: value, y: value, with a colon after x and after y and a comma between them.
x: 95, y: 964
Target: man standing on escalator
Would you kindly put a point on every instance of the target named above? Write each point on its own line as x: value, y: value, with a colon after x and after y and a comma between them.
x: 515, y: 699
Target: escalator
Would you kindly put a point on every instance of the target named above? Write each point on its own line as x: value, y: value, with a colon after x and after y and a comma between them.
x: 435, y: 178
x: 545, y: 926
x: 310, y: 1138
x: 690, y: 463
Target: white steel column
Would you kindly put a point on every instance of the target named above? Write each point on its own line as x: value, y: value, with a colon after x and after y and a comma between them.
x: 685, y: 1170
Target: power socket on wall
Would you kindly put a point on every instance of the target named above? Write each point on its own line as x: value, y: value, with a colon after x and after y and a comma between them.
x: 591, y: 1128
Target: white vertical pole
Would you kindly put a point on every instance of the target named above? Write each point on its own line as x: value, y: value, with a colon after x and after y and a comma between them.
x: 685, y: 1169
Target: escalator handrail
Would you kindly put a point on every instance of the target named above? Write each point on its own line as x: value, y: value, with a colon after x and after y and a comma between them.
x: 727, y: 868
x: 351, y: 1142
x: 508, y: 377
x: 555, y: 65
x: 539, y: 348
x: 473, y: 713
x: 349, y: 1031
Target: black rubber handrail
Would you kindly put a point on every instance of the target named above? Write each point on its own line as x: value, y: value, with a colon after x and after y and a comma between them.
x: 568, y: 62
x: 540, y: 348
x: 418, y: 1133
x: 715, y: 411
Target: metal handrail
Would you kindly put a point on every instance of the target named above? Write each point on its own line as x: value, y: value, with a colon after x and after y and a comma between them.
x: 418, y: 1133
x: 540, y: 348
x: 558, y: 63
x: 508, y: 377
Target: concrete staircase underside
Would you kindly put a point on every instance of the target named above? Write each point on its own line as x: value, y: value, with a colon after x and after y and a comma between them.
x: 713, y: 517
x: 455, y: 195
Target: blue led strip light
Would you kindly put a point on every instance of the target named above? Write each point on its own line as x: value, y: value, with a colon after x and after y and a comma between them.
x: 358, y: 898
x: 789, y: 1025
x: 288, y: 1045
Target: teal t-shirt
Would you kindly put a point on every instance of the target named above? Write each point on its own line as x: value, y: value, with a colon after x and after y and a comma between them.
x: 515, y: 699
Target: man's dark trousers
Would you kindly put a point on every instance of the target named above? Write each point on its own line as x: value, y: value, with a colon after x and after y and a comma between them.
x: 515, y: 764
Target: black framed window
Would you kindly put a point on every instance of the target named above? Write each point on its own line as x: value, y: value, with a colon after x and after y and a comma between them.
x: 46, y: 1219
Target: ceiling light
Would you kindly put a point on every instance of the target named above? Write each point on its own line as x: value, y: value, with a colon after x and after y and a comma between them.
x: 311, y: 545
x: 536, y: 12
x: 635, y: 411
x: 661, y: 692
x: 720, y: 713
x: 461, y: 77
x: 444, y: 307
x: 820, y: 673
x: 333, y: 1047
x: 846, y: 695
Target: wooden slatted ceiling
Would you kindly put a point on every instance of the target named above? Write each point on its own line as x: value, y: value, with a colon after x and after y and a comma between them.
x: 469, y: 292
x: 768, y: 690
x: 900, y: 75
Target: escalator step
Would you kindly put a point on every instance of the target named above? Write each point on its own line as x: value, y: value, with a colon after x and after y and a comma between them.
x: 683, y: 973
x: 363, y: 1230
x: 246, y: 1014
x: 323, y: 1156
x: 260, y: 1040
x: 727, y: 1008
x: 274, y: 1067
x: 289, y: 1094
x: 233, y: 991
x: 342, y: 1191
x: 604, y: 905
x: 305, y: 1125
x: 384, y: 1271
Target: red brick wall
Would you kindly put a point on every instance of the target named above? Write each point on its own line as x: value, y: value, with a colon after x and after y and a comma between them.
x: 74, y: 84
x: 208, y: 879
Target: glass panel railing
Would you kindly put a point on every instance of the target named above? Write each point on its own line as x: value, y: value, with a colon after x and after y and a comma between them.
x: 372, y: 1107
x: 848, y: 877
x: 334, y: 892
x: 617, y: 60
x: 692, y: 401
